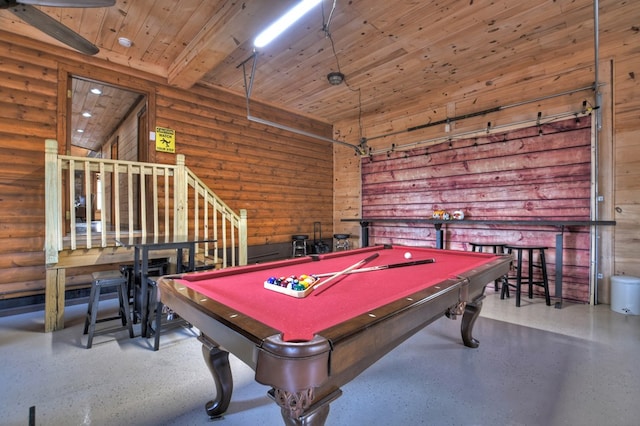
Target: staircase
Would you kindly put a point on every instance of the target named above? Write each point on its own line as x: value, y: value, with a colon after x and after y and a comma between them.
x: 93, y: 203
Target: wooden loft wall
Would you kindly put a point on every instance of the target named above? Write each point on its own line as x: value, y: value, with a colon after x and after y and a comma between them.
x: 618, y: 152
x: 283, y: 180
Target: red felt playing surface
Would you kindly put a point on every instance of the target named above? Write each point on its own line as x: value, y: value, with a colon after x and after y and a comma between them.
x: 242, y: 288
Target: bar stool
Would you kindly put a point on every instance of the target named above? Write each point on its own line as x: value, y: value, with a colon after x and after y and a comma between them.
x: 528, y: 278
x: 165, y: 319
x: 299, y: 245
x: 156, y: 267
x: 126, y: 271
x: 105, y: 280
x: 496, y: 248
x: 342, y: 241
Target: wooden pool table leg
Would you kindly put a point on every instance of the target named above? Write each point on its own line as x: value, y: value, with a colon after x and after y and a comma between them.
x: 302, y: 408
x: 218, y: 362
x: 471, y: 314
x: 317, y: 418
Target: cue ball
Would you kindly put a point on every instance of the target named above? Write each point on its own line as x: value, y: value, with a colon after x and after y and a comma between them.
x: 407, y: 255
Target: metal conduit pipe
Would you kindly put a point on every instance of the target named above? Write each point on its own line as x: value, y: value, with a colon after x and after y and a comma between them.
x: 249, y: 88
x: 598, y: 126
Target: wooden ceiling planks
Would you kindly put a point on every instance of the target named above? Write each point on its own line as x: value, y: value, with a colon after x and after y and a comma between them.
x: 229, y: 27
x: 152, y: 22
x: 108, y: 110
x: 392, y: 53
x: 93, y: 21
x: 172, y: 36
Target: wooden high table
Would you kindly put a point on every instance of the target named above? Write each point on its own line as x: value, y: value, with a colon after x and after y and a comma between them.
x: 365, y: 223
x: 142, y: 246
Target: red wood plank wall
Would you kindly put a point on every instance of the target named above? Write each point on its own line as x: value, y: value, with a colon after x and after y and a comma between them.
x: 541, y: 172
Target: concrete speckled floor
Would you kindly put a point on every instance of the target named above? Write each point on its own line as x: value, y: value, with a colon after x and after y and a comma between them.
x: 536, y: 365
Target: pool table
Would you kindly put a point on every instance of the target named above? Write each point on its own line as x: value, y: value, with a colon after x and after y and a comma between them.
x: 305, y: 348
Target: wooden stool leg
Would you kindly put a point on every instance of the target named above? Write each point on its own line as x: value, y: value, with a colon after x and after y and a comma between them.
x: 530, y: 270
x: 495, y: 283
x: 505, y: 282
x: 94, y: 315
x: 123, y: 295
x: 545, y: 278
x: 87, y: 319
x: 156, y: 342
x: 121, y: 313
x: 505, y: 287
x: 519, y: 278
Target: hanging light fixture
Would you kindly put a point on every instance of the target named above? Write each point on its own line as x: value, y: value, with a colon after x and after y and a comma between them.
x: 335, y: 78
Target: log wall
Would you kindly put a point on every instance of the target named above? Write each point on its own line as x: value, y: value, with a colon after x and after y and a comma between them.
x: 284, y: 181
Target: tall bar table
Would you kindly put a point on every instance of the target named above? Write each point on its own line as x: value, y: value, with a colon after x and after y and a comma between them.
x: 365, y: 223
x: 142, y: 246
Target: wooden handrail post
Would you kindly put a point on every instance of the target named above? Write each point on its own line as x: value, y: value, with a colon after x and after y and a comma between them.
x: 242, y: 236
x: 118, y: 176
x: 52, y: 202
x: 180, y: 202
x: 55, y: 278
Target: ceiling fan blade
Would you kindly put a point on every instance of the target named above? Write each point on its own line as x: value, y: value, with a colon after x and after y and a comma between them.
x: 67, y: 3
x: 55, y: 29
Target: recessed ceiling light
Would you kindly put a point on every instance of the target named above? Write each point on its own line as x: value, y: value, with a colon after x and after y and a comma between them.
x: 96, y: 91
x: 80, y: 131
x: 86, y: 114
x: 124, y: 42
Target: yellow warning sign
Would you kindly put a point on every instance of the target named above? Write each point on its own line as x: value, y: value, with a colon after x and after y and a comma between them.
x: 165, y: 140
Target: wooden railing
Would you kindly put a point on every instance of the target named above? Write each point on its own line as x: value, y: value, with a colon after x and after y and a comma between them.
x: 93, y: 202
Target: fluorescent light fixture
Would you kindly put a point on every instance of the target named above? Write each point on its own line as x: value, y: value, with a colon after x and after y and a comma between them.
x: 284, y: 22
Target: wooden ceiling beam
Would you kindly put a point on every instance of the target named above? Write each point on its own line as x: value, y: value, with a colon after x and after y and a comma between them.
x: 232, y: 25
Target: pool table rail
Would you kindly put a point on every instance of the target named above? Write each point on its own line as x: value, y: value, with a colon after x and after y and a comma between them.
x: 371, y: 336
x: 234, y: 331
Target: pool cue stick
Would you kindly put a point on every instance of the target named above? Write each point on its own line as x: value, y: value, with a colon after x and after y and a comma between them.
x: 316, y: 287
x: 381, y: 267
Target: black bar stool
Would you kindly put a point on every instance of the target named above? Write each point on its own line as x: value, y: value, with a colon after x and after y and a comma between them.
x: 157, y: 267
x: 342, y: 241
x: 165, y: 319
x: 496, y: 248
x: 528, y: 278
x: 126, y: 271
x: 299, y: 245
x: 104, y: 280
